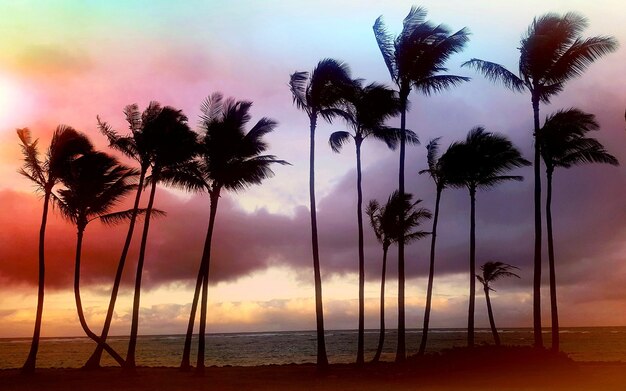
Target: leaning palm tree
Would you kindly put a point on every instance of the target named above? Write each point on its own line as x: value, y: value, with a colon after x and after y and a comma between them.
x: 436, y: 172
x: 564, y: 144
x: 319, y: 93
x: 66, y: 145
x: 94, y: 183
x: 365, y: 112
x: 231, y: 160
x: 385, y: 221
x: 551, y: 53
x: 480, y: 161
x: 171, y: 145
x: 415, y: 59
x: 491, y: 272
x: 132, y: 146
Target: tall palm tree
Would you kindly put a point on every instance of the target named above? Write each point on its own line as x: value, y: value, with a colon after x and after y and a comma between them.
x: 94, y: 183
x: 366, y: 110
x: 385, y: 221
x: 231, y: 160
x: 480, y: 161
x: 564, y: 144
x: 551, y: 52
x: 319, y: 93
x: 171, y: 144
x: 416, y: 59
x: 491, y: 272
x: 436, y: 172
x: 134, y: 147
x: 66, y: 145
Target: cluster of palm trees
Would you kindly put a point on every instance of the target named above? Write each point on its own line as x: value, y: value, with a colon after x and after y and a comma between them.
x: 224, y: 156
x: 551, y: 52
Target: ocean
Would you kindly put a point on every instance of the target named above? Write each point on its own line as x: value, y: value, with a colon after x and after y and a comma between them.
x: 245, y: 349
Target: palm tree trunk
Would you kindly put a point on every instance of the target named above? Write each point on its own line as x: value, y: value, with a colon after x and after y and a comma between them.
x: 553, y: 302
x: 322, y: 359
x: 29, y: 365
x: 492, y: 322
x: 132, y: 342
x: 431, y: 275
x: 94, y: 360
x: 185, y: 363
x: 205, y: 265
x: 472, y: 294
x: 383, y: 278
x: 79, y: 306
x: 537, y: 257
x: 401, y: 349
x: 360, y: 348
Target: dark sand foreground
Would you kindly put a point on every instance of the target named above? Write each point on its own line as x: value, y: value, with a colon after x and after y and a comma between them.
x: 458, y: 372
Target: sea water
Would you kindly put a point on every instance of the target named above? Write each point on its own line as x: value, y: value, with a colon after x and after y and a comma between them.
x: 244, y: 349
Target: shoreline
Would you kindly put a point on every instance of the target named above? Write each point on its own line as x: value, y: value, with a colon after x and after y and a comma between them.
x: 481, y: 369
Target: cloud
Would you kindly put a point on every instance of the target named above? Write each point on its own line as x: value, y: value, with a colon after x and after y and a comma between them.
x: 52, y: 60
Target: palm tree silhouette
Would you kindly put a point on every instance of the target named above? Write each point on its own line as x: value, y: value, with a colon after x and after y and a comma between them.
x: 551, y: 53
x: 171, y: 144
x: 94, y: 183
x: 231, y: 160
x: 564, y: 144
x: 132, y: 146
x: 480, y: 161
x: 437, y: 173
x: 66, y: 145
x: 491, y: 272
x: 386, y: 223
x: 415, y: 59
x: 319, y: 93
x: 365, y: 112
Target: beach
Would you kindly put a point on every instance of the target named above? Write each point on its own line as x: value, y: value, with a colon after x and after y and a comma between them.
x: 581, y: 376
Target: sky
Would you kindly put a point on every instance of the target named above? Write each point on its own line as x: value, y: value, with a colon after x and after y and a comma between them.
x: 66, y: 62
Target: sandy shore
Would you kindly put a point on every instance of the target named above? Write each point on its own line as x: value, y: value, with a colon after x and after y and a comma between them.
x: 580, y: 376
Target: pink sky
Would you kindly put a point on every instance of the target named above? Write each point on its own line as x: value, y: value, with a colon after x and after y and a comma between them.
x: 67, y: 63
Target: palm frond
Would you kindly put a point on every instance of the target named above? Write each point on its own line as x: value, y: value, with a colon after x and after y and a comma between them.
x: 581, y: 54
x: 437, y: 83
x: 386, y: 45
x: 338, y: 139
x: 33, y: 167
x: 125, y: 215
x: 133, y: 117
x: 432, y: 153
x: 212, y: 107
x: 186, y: 175
x: 298, y: 86
x: 413, y: 236
x: 496, y: 73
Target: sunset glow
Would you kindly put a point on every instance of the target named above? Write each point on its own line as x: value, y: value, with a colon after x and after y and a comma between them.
x: 66, y: 62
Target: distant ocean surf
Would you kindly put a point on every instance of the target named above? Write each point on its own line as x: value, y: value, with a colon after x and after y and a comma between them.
x: 247, y: 349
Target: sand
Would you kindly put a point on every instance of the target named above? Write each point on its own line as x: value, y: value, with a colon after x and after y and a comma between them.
x: 484, y: 369
x: 584, y: 376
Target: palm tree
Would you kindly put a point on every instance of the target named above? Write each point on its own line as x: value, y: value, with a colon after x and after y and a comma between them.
x: 491, y: 272
x: 415, y: 59
x: 385, y: 222
x: 319, y: 93
x: 366, y: 110
x: 551, y: 53
x: 564, y: 144
x: 480, y: 161
x: 436, y: 172
x: 94, y: 183
x: 66, y: 145
x: 134, y: 147
x: 171, y: 144
x: 231, y: 160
